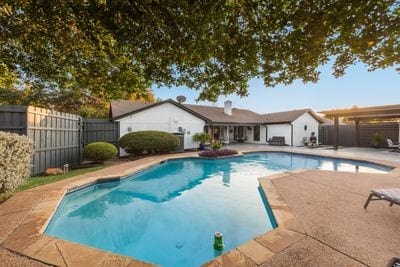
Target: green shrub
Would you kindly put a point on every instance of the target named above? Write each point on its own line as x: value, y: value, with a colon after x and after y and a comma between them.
x: 15, y: 160
x: 99, y: 151
x: 148, y: 141
x: 377, y: 139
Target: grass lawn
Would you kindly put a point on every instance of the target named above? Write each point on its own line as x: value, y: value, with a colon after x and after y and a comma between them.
x: 42, y: 180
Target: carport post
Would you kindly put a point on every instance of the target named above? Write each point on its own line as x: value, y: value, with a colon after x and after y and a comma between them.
x: 357, y: 132
x: 336, y: 127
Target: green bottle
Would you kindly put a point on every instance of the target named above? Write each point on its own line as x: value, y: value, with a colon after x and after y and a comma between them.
x: 218, y: 242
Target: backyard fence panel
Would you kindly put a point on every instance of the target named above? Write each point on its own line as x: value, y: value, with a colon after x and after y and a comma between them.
x: 100, y: 130
x: 347, y: 134
x: 56, y: 137
x: 13, y: 119
x: 385, y: 130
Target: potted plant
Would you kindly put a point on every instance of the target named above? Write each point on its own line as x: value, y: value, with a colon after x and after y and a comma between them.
x: 377, y: 140
x: 202, y: 139
x: 216, y: 144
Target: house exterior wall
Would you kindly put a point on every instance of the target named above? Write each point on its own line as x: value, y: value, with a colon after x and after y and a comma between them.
x: 250, y: 135
x: 166, y: 117
x: 280, y: 130
x: 298, y: 128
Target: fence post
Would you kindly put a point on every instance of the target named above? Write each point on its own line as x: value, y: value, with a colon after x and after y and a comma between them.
x: 81, y: 138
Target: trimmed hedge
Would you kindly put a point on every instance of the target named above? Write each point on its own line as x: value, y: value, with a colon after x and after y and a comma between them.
x: 149, y: 142
x: 217, y: 153
x: 15, y: 160
x: 99, y: 151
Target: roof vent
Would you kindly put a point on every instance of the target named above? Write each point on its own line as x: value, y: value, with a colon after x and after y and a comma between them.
x: 228, y: 107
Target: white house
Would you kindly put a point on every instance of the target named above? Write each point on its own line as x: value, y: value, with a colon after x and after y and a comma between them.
x: 168, y: 116
x: 223, y: 123
x: 294, y: 125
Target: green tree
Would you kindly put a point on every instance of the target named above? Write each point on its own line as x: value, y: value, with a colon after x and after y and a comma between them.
x: 107, y: 48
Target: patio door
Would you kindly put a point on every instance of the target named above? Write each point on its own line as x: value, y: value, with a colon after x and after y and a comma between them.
x: 238, y: 132
x: 256, y: 133
x: 216, y: 132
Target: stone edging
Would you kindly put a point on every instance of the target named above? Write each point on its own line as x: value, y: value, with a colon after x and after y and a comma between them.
x: 258, y: 250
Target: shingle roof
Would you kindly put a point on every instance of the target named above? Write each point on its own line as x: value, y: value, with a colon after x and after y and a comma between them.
x: 217, y: 114
x: 214, y: 114
x: 288, y: 116
x: 121, y: 107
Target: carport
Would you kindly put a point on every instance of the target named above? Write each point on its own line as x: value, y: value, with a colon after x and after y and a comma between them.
x: 356, y: 114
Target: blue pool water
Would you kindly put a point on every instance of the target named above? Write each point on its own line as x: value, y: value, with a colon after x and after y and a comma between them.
x: 168, y: 214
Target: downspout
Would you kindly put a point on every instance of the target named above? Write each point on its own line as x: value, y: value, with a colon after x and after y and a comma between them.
x: 266, y: 133
x: 291, y: 130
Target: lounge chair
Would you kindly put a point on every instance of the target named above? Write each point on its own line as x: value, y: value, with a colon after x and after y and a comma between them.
x: 392, y: 145
x: 391, y: 194
x: 225, y: 141
x: 394, y: 262
x: 276, y: 141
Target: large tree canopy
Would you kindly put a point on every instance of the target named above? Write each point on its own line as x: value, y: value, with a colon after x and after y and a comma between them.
x: 112, y: 48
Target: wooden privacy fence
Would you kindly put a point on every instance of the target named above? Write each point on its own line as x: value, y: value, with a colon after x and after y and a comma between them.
x: 13, y: 119
x: 95, y: 130
x: 58, y: 137
x: 347, y: 134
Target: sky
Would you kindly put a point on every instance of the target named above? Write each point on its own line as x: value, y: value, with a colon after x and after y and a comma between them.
x: 357, y: 87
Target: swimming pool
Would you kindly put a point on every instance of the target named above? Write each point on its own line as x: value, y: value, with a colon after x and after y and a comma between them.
x: 168, y: 213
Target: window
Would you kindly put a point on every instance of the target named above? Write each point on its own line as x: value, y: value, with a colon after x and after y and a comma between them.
x: 256, y: 133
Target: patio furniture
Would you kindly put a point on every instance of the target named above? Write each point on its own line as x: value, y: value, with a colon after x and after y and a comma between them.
x: 395, y: 148
x: 304, y: 141
x: 391, y: 194
x: 241, y: 139
x: 225, y: 141
x: 394, y: 262
x: 277, y: 141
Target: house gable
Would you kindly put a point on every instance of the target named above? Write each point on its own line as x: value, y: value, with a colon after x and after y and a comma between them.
x: 145, y: 106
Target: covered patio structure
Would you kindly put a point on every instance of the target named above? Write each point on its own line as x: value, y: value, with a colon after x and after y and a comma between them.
x: 359, y: 115
x: 229, y: 133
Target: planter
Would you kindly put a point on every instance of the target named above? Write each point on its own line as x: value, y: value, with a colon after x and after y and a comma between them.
x: 217, y: 153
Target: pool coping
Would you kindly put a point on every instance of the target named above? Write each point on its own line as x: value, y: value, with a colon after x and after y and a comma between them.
x: 28, y: 237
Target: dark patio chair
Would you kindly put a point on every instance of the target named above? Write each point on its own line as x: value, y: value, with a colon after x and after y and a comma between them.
x: 391, y: 194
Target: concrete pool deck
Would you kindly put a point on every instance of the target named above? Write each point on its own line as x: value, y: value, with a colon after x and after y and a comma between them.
x: 320, y: 216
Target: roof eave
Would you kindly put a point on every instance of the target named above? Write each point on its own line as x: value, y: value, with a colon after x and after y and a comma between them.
x: 158, y: 104
x: 237, y: 123
x: 279, y: 122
